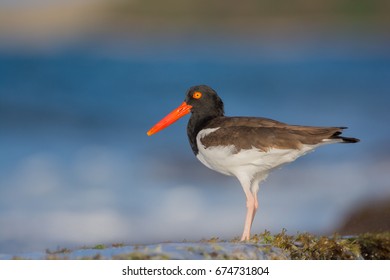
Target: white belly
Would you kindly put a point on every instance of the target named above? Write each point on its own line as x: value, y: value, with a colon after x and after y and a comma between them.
x: 226, y: 160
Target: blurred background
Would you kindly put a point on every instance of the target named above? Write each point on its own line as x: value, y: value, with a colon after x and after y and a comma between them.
x: 82, y: 81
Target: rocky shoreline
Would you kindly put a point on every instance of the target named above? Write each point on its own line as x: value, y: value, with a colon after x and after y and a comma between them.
x: 264, y: 246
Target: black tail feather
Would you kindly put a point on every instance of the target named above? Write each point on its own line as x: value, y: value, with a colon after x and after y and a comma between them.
x: 348, y: 139
x: 336, y: 135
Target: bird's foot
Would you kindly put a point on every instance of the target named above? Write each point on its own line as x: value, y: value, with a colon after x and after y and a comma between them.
x: 245, y: 237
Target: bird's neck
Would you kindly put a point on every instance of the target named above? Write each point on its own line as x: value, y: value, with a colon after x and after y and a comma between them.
x: 195, y: 124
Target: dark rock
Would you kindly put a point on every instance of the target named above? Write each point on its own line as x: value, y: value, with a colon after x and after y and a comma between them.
x: 373, y: 217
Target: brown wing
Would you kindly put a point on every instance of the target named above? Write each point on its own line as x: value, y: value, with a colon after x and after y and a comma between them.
x: 245, y: 133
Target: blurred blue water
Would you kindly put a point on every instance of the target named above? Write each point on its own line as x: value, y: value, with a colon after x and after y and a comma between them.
x: 76, y: 166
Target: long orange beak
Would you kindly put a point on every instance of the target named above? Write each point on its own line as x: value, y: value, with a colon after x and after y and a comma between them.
x: 173, y: 116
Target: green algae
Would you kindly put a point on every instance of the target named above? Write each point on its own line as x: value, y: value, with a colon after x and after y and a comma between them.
x: 306, y: 246
x: 141, y: 256
x: 374, y: 246
x: 99, y: 247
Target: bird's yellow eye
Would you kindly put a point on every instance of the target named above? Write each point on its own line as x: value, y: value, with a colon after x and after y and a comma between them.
x: 197, y: 95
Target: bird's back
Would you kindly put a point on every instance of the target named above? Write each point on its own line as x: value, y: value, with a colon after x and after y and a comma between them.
x: 265, y: 134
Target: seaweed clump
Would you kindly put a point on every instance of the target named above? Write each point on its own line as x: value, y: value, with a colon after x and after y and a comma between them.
x: 306, y: 246
x: 374, y: 246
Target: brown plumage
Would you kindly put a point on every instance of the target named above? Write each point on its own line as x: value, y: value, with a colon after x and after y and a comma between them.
x: 264, y: 134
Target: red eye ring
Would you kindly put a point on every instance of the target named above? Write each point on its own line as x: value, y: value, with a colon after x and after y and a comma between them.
x: 197, y: 95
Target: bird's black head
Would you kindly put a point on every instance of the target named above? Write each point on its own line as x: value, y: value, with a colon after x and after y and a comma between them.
x: 204, y: 101
x: 204, y: 104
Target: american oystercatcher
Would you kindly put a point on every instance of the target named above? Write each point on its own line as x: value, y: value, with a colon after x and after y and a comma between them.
x: 245, y: 147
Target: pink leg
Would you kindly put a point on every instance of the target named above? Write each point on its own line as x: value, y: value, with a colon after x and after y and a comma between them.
x: 250, y: 188
x: 256, y: 206
x: 251, y: 204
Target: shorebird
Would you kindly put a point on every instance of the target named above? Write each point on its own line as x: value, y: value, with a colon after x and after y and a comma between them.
x: 245, y: 147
